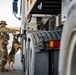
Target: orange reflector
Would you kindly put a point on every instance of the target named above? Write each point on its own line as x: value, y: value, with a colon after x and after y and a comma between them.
x: 51, y: 44
x: 54, y: 44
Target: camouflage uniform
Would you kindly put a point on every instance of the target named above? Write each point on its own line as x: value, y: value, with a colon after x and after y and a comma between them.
x: 4, y: 37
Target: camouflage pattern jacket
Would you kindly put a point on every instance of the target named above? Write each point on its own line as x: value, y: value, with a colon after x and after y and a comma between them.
x: 5, y: 33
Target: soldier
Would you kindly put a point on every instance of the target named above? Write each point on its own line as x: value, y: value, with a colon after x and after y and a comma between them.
x: 4, y: 37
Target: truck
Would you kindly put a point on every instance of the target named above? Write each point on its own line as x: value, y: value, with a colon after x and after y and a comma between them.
x: 47, y: 36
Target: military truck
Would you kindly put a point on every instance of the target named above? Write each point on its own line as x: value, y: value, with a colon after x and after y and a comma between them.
x: 47, y: 36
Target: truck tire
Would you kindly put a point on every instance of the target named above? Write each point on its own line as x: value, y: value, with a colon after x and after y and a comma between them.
x: 67, y: 58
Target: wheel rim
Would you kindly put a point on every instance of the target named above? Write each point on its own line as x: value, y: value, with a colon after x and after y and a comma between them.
x: 71, y: 62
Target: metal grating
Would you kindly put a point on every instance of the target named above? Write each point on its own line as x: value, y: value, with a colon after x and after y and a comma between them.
x: 52, y: 7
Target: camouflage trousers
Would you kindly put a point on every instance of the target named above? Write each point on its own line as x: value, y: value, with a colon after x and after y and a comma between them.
x: 3, y: 58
